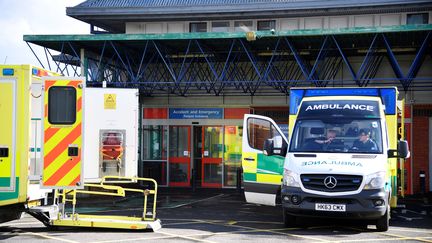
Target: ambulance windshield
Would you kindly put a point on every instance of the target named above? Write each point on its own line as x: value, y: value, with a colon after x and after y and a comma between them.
x: 338, y: 127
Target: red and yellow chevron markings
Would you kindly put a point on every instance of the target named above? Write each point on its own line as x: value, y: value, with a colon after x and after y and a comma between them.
x: 61, y: 170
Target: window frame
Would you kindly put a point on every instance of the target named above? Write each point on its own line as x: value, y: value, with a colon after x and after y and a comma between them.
x: 271, y: 131
x: 197, y: 23
x: 251, y: 27
x: 52, y: 106
x: 424, y: 15
x: 228, y: 28
x: 271, y: 21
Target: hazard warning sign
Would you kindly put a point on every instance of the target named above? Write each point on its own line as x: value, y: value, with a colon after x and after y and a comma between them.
x: 110, y: 101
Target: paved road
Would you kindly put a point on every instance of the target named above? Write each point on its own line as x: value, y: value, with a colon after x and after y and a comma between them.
x: 225, y: 217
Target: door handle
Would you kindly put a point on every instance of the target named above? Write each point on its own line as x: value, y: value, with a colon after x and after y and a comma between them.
x: 249, y: 159
x: 72, y: 150
x: 4, y: 152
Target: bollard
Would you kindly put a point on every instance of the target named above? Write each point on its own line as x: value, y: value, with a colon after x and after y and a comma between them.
x: 422, y: 177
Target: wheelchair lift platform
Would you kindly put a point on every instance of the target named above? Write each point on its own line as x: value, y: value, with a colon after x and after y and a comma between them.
x: 55, y: 215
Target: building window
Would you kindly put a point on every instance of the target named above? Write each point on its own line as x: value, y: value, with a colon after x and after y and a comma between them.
x: 198, y: 27
x: 266, y: 25
x: 243, y: 26
x: 418, y: 18
x: 223, y: 26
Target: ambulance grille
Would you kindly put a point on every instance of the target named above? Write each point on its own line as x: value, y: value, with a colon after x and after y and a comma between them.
x: 341, y: 183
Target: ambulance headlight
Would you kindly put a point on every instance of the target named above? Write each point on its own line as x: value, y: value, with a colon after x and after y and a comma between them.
x: 375, y: 181
x: 290, y: 178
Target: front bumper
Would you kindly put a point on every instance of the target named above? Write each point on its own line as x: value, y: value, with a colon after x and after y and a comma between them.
x: 359, y: 205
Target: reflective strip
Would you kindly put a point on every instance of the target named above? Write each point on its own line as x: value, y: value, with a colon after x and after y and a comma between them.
x: 61, y: 146
x: 49, y: 132
x: 66, y: 169
x: 267, y: 178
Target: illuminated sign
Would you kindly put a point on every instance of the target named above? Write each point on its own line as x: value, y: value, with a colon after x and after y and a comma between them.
x: 325, y: 109
x: 340, y: 107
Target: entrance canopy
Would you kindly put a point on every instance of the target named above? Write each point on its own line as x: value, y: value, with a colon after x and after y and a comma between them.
x: 238, y: 63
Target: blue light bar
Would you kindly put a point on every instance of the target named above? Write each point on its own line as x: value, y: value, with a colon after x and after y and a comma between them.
x: 296, y: 95
x: 8, y: 72
x: 34, y: 71
x: 342, y: 92
x: 387, y: 95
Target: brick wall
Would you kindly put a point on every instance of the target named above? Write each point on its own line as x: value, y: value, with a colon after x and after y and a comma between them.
x: 420, y: 158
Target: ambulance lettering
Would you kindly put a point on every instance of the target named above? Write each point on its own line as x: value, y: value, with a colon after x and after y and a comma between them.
x: 340, y: 107
x: 333, y: 162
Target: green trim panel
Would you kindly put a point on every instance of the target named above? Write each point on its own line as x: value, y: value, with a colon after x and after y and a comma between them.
x: 249, y: 177
x: 272, y: 165
x: 227, y: 35
x: 4, y: 181
x: 9, y: 195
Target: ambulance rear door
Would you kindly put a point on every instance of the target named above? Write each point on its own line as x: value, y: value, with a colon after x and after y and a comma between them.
x: 62, y: 132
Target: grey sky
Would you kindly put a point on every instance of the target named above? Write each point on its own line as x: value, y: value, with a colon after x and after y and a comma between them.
x: 33, y: 17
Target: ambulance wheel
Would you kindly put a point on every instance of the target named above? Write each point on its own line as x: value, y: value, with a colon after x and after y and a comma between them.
x: 288, y: 219
x: 382, y: 223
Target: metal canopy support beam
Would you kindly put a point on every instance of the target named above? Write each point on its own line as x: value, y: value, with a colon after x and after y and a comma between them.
x: 418, y: 60
x: 369, y: 62
x: 202, y: 67
x: 313, y: 76
x: 345, y: 59
x: 165, y: 61
x: 253, y: 60
x: 28, y: 44
x: 393, y: 62
x: 299, y: 60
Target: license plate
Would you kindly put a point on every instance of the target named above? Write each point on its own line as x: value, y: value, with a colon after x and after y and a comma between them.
x: 330, y: 207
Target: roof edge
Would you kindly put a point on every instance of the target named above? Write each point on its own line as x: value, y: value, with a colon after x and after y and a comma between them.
x: 218, y: 35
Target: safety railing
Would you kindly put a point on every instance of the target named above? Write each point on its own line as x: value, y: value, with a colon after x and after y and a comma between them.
x: 70, y: 196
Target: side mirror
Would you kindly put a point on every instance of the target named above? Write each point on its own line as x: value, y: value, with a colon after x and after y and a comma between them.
x: 402, y: 150
x: 268, y: 147
x: 275, y: 146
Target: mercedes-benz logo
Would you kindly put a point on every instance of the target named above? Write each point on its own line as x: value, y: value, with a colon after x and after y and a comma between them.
x: 330, y: 182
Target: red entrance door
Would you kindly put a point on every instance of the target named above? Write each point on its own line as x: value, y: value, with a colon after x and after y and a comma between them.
x: 179, y: 155
x: 212, y: 153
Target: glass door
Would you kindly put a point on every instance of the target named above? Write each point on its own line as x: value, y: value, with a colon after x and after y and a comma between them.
x: 179, y: 155
x: 212, y: 153
x: 154, y: 153
x: 232, y: 154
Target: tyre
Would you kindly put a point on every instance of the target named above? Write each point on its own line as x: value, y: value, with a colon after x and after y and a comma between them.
x: 382, y: 223
x: 288, y: 220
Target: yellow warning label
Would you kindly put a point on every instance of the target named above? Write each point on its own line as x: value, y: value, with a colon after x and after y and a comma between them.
x: 110, y: 101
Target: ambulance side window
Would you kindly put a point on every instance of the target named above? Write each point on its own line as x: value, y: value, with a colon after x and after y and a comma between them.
x: 259, y: 130
x: 62, y: 105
